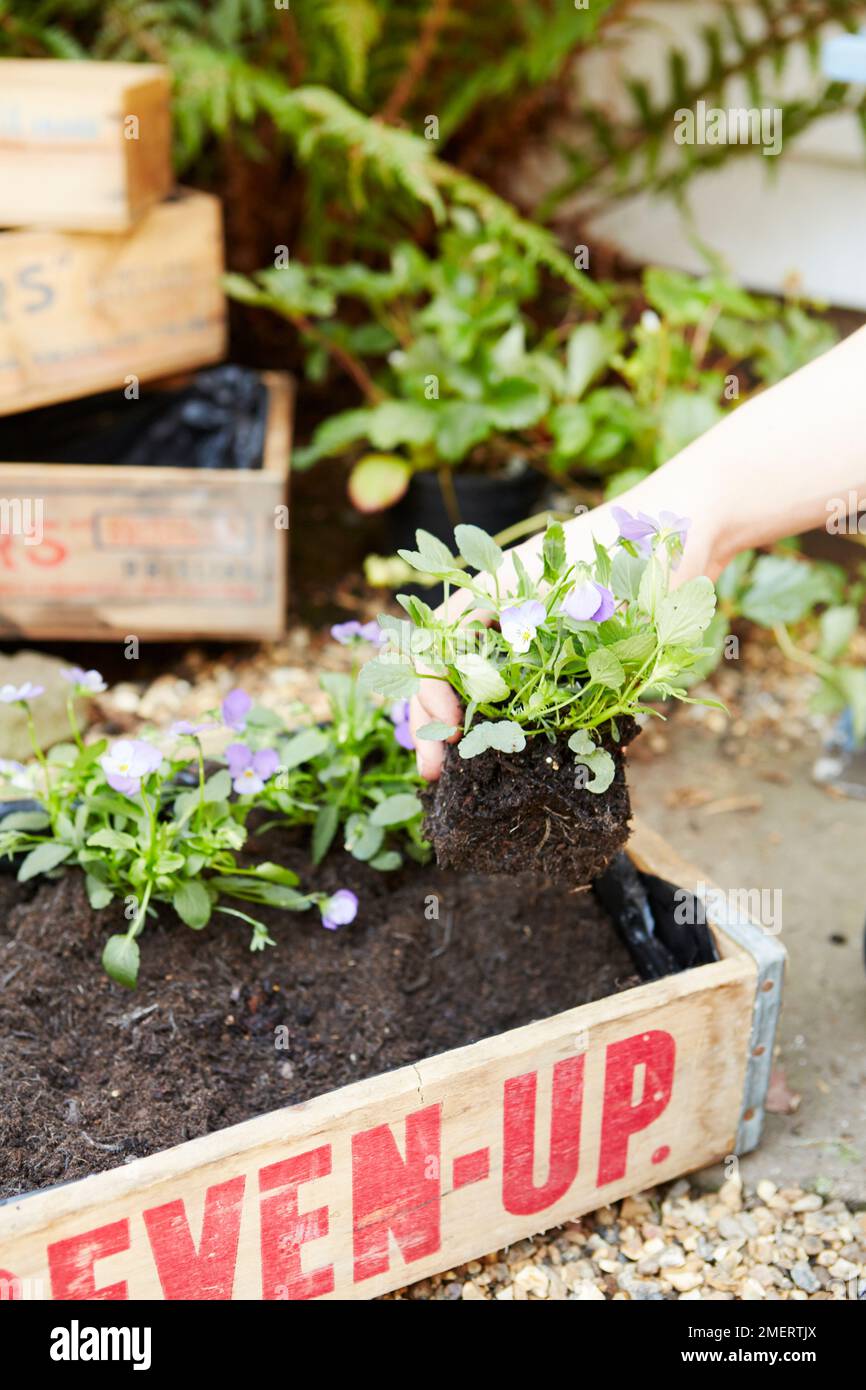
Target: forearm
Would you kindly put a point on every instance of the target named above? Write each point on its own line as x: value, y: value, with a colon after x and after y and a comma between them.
x: 769, y: 469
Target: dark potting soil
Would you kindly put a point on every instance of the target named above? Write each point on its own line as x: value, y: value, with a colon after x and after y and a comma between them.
x: 92, y: 1075
x: 511, y: 813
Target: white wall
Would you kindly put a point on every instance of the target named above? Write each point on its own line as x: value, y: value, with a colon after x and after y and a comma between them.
x: 800, y: 217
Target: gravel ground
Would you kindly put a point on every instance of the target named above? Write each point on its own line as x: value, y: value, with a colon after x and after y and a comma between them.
x: 734, y: 1244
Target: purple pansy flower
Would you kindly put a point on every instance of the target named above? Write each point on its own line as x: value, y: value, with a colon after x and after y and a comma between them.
x: 339, y: 910
x: 249, y: 770
x: 589, y: 602
x: 640, y: 528
x: 10, y: 693
x: 183, y: 726
x: 520, y: 624
x: 127, y: 762
x: 399, y: 716
x: 235, y: 708
x: 91, y: 681
x: 346, y: 633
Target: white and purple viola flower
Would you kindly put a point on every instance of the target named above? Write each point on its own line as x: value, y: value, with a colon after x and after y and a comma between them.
x: 520, y: 624
x: 127, y: 762
x: 589, y: 602
x: 11, y: 694
x: 399, y: 716
x: 339, y: 909
x: 641, y: 528
x: 249, y: 771
x: 183, y: 728
x: 90, y: 681
x: 235, y: 708
x: 347, y: 633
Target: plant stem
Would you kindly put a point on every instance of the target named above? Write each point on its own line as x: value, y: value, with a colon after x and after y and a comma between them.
x: 138, y: 920
x: 73, y: 722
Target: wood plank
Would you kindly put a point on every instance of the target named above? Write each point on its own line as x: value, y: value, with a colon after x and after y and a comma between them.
x: 83, y: 146
x: 401, y: 1176
x: 81, y: 314
x: 161, y: 553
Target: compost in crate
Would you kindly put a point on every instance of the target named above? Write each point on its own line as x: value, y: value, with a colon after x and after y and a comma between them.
x: 443, y: 1155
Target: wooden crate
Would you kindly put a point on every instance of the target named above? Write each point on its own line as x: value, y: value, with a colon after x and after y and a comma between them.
x: 396, y: 1178
x: 167, y: 553
x: 86, y: 313
x: 83, y: 146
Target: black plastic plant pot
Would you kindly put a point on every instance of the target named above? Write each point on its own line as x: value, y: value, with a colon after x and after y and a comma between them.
x: 493, y: 502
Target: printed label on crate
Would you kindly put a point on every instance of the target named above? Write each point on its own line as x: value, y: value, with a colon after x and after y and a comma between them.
x: 397, y: 1187
x: 209, y: 544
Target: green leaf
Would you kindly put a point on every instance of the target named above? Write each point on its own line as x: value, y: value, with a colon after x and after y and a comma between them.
x: 602, y: 564
x: 43, y: 859
x: 460, y: 425
x: 169, y: 863
x: 685, y: 614
x: 683, y: 417
x: 503, y: 735
x: 516, y: 404
x: 218, y: 786
x: 553, y: 551
x: 478, y: 549
x: 436, y: 730
x: 626, y: 573
x: 653, y: 587
x: 837, y: 626
x: 400, y: 422
x: 302, y: 746
x: 784, y: 590
x: 481, y: 679
x: 98, y: 894
x: 431, y: 557
x: 581, y: 742
x: 120, y: 960
x: 605, y: 668
x: 634, y: 650
x: 26, y: 820
x: 333, y: 437
x: 396, y: 810
x: 192, y: 903
x: 571, y: 426
x: 385, y: 862
x: 363, y: 839
x: 378, y: 481
x: 276, y: 873
x: 587, y: 354
x: 603, y: 768
x: 396, y: 680
x: 112, y: 839
x: 324, y: 830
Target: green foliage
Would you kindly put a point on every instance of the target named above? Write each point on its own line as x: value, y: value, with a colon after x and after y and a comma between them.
x: 813, y: 608
x: 460, y: 363
x: 569, y: 655
x: 148, y: 824
x: 347, y: 86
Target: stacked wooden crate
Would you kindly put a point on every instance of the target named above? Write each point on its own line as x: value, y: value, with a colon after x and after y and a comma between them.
x: 110, y: 280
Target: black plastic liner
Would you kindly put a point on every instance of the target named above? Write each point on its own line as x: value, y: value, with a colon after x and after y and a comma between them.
x: 216, y: 420
x: 644, y: 910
